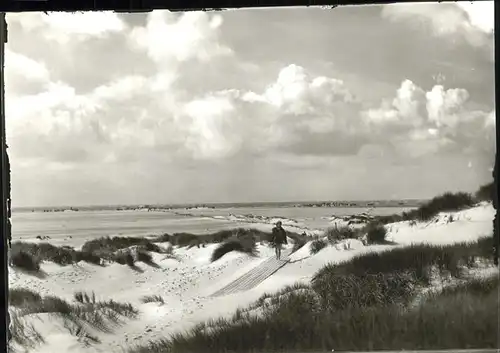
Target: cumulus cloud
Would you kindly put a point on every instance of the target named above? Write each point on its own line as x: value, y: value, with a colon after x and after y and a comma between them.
x: 289, y: 113
x: 405, y: 109
x: 130, y: 110
x: 472, y: 21
x: 432, y: 121
x: 169, y: 36
x: 64, y: 27
x: 443, y: 106
x: 25, y: 75
x: 297, y: 113
x: 180, y: 110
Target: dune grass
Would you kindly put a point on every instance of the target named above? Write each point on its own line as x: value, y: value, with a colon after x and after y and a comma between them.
x: 25, y: 261
x: 108, y: 245
x: 189, y: 239
x: 244, y: 240
x: 361, y: 304
x: 376, y: 233
x: 79, y: 318
x: 446, y: 202
x: 24, y: 335
x: 416, y: 259
x: 246, y: 245
x: 124, y: 258
x: 339, y: 233
x: 23, y: 296
x: 486, y: 192
x: 28, y: 256
x: 317, y: 245
x: 153, y: 299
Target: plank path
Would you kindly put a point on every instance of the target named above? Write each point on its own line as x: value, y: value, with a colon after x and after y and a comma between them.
x: 255, y: 276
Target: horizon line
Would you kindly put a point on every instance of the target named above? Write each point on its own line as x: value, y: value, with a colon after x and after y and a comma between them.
x: 207, y: 204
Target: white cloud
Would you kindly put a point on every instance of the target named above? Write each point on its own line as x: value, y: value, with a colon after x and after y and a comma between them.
x: 490, y: 121
x: 481, y: 14
x: 443, y: 106
x: 429, y: 121
x: 212, y: 121
x: 474, y: 22
x: 297, y: 93
x: 295, y: 105
x: 404, y: 110
x: 21, y: 65
x: 64, y: 27
x: 121, y: 89
x: 168, y: 36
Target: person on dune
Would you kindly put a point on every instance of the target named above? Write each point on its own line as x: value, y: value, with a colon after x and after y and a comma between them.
x: 278, y: 238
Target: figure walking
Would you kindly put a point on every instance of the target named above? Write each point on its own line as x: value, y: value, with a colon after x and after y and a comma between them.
x: 278, y: 238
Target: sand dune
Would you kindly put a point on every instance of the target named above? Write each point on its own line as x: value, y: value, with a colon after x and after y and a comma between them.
x: 187, y: 284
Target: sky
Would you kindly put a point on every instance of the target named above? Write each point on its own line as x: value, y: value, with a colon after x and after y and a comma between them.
x: 282, y: 104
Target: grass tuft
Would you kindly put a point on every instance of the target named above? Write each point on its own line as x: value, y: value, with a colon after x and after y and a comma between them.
x: 245, y: 245
x: 153, y: 299
x: 25, y: 261
x: 362, y: 304
x: 317, y: 245
x: 486, y: 192
x: 22, y: 296
x: 339, y: 233
x: 376, y: 233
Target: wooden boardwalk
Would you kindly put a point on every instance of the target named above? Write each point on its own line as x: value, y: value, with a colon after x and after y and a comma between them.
x: 255, y: 276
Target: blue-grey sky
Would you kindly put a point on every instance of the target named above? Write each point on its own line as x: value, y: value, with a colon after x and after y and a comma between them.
x: 368, y: 102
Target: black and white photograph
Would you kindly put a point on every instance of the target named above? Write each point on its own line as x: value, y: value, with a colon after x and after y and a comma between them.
x: 287, y: 179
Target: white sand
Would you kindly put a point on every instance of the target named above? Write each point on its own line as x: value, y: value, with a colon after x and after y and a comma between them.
x: 186, y: 285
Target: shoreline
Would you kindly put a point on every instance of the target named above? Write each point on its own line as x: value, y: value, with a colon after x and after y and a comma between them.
x: 411, y: 203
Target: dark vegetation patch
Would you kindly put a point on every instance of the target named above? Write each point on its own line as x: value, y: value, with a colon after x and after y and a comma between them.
x: 362, y: 304
x: 246, y: 245
x: 486, y: 192
x: 153, y: 299
x: 25, y: 261
x: 317, y: 245
x: 376, y: 233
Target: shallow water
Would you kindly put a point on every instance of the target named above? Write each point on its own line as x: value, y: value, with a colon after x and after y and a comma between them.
x: 88, y: 224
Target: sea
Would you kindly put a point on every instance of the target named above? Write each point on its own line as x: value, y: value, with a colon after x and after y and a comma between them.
x: 77, y: 225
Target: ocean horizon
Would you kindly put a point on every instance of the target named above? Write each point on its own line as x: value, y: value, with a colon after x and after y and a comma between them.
x: 225, y: 205
x: 75, y: 227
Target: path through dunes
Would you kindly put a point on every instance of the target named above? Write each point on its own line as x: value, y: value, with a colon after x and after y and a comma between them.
x: 255, y: 276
